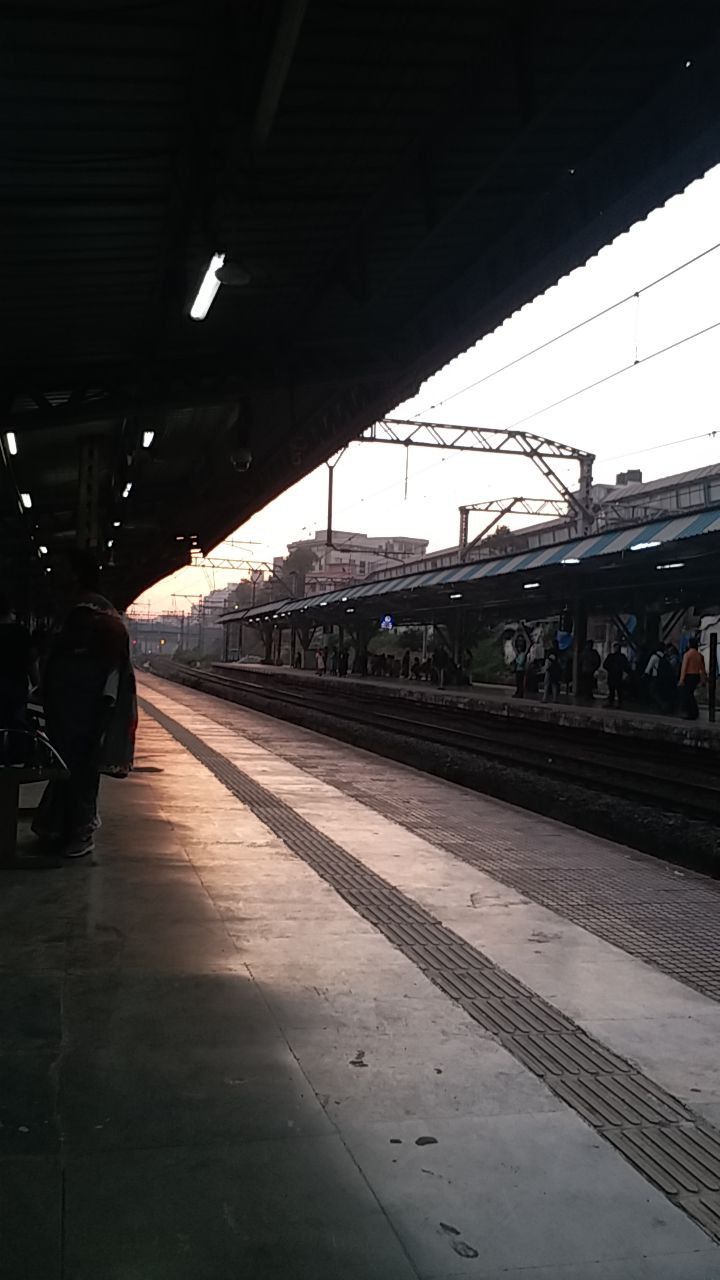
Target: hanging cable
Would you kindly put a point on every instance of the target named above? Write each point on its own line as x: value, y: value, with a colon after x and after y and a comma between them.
x: 654, y: 448
x: 566, y: 333
x: 591, y: 386
x: 608, y: 377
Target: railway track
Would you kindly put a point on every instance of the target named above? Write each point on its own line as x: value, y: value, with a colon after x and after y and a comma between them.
x: 673, y: 779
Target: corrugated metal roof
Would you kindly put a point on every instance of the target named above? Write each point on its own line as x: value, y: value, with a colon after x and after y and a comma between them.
x: 416, y: 173
x: 577, y: 550
x: 645, y: 487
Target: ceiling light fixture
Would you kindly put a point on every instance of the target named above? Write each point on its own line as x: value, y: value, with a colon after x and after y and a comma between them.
x: 148, y: 437
x: 644, y: 546
x: 11, y: 442
x: 456, y: 595
x: 43, y: 551
x: 110, y: 542
x: 127, y: 489
x: 233, y: 274
x: 570, y: 560
x: 530, y: 586
x: 116, y: 524
x: 26, y: 500
x: 208, y: 288
x: 675, y: 564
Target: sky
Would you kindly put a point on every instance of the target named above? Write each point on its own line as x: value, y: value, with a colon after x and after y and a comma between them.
x: 659, y: 415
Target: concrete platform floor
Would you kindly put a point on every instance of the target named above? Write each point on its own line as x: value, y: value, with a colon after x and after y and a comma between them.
x: 213, y: 1066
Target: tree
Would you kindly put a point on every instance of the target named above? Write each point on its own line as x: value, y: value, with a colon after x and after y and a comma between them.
x: 498, y: 537
x: 296, y: 567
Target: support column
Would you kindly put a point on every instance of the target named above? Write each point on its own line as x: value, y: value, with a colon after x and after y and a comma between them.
x: 652, y: 629
x: 579, y: 638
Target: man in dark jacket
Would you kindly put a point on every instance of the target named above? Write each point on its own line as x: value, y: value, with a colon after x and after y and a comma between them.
x: 588, y: 664
x: 618, y: 669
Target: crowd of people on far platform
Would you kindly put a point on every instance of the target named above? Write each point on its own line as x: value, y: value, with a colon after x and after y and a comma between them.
x: 77, y: 675
x: 438, y: 668
x: 667, y: 677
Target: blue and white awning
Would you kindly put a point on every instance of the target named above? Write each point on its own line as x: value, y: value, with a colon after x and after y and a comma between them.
x: 577, y: 550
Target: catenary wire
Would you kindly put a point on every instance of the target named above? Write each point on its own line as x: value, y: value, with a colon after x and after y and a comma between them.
x: 566, y: 333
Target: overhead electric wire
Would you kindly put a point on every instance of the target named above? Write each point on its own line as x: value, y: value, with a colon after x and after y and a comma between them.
x: 667, y: 444
x: 572, y: 395
x: 608, y: 377
x: 566, y: 333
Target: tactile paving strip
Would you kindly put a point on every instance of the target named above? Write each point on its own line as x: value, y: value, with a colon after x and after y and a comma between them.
x: 627, y: 900
x: 655, y: 1132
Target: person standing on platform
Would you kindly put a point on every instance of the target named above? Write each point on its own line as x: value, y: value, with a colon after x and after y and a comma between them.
x: 663, y: 680
x: 520, y: 666
x: 552, y: 676
x: 589, y: 666
x: 618, y: 670
x: 319, y: 662
x: 692, y: 674
x: 17, y: 667
x: 88, y: 690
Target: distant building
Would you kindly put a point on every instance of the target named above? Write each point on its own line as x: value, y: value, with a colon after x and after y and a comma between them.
x: 214, y: 603
x: 350, y: 558
x: 160, y: 635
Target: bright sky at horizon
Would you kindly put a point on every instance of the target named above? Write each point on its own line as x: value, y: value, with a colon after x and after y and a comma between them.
x: 643, y: 417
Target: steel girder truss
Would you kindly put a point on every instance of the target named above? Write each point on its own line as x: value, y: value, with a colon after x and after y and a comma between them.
x: 497, y: 508
x: 498, y: 440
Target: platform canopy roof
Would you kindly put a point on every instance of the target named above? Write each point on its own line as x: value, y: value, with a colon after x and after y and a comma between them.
x: 657, y: 557
x: 392, y: 178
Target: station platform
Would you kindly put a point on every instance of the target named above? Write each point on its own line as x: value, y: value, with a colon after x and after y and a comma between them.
x: 309, y: 1012
x: 498, y: 700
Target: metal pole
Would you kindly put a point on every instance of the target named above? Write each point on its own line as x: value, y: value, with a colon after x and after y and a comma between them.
x: 712, y: 676
x: 586, y: 481
x: 579, y: 638
x: 464, y: 528
x: 328, y: 532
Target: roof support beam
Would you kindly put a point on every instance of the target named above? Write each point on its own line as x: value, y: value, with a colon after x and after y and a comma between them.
x: 281, y: 56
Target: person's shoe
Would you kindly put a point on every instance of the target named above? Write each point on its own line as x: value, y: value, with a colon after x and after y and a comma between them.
x: 78, y: 846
